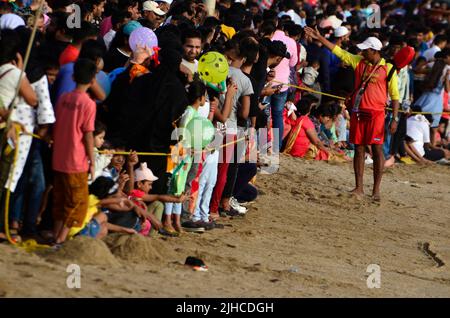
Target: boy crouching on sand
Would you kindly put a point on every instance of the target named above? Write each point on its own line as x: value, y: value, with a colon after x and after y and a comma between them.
x: 73, y: 152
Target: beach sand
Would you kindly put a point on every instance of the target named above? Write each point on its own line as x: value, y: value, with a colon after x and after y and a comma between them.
x: 304, y: 237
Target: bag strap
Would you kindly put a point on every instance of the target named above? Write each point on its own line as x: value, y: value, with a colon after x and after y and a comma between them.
x: 6, y: 72
x: 389, y: 77
x: 293, y: 136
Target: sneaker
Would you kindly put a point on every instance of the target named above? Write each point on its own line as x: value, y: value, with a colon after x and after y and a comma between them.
x: 235, y: 205
x: 232, y: 212
x: 208, y: 226
x: 368, y: 161
x: 191, y: 226
x: 246, y: 204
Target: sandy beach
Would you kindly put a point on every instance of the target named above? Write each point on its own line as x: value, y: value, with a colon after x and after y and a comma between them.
x: 304, y: 237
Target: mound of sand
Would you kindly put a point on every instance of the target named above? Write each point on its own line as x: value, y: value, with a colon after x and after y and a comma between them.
x: 135, y: 248
x: 84, y: 250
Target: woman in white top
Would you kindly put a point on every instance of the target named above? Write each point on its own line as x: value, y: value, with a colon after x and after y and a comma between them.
x: 16, y: 109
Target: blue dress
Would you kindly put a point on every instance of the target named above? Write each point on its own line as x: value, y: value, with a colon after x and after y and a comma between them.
x: 433, y: 102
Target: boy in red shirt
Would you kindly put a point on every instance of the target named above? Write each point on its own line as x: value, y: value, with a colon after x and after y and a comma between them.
x: 73, y: 151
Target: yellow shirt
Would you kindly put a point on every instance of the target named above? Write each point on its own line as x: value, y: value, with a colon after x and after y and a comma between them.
x: 92, y: 210
x: 375, y: 96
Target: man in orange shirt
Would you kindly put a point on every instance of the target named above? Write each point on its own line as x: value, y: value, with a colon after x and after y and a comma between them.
x: 373, y: 81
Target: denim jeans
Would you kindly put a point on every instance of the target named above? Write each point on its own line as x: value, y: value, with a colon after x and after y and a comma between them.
x: 244, y: 191
x: 387, y: 137
x: 277, y: 102
x: 172, y: 208
x: 31, y: 182
x: 206, y: 184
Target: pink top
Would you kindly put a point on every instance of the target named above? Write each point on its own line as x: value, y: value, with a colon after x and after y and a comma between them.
x: 282, y: 71
x: 75, y: 116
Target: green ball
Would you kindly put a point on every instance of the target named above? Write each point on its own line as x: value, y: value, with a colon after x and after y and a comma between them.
x: 213, y: 67
x: 201, y: 132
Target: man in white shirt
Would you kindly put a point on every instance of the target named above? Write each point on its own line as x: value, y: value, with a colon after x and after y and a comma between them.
x: 440, y: 41
x: 192, y: 47
x: 118, y: 19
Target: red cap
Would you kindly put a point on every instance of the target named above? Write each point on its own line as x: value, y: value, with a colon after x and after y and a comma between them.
x: 404, y: 57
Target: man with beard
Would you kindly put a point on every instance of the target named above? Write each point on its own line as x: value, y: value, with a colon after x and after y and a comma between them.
x: 152, y: 15
x: 192, y: 47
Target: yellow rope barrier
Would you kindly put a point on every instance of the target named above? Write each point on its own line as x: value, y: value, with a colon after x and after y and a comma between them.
x: 343, y: 98
x: 310, y: 90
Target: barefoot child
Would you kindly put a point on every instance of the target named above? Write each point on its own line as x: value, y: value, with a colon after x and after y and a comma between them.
x: 73, y: 152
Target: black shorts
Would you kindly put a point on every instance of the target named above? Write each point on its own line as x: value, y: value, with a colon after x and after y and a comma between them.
x: 434, y: 154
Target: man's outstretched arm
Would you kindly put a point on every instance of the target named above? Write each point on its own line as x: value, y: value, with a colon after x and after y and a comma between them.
x: 343, y: 55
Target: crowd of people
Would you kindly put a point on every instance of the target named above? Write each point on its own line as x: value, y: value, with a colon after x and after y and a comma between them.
x: 88, y: 122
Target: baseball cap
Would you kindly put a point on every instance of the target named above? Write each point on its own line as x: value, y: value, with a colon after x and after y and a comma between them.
x: 340, y: 32
x: 370, y: 43
x: 278, y: 48
x: 152, y: 6
x: 144, y: 173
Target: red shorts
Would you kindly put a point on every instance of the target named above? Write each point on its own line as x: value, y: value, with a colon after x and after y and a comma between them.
x: 367, y: 131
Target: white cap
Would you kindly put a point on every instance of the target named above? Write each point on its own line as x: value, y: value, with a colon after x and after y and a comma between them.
x: 370, y: 43
x: 11, y: 21
x: 144, y: 173
x: 152, y: 6
x: 340, y: 32
x: 335, y: 22
x: 169, y: 2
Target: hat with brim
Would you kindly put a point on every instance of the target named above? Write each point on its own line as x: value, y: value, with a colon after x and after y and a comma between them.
x: 370, y: 43
x: 152, y: 6
x: 340, y: 32
x: 143, y: 173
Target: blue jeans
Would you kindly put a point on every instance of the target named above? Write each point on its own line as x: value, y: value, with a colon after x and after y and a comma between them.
x: 277, y: 102
x: 172, y: 208
x: 206, y: 184
x: 32, y: 182
x: 387, y: 137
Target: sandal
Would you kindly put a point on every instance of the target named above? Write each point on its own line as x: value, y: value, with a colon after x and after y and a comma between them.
x: 14, y: 233
x: 168, y: 232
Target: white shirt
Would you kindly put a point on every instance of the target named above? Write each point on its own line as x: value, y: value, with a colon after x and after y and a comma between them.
x: 203, y: 111
x: 191, y: 66
x: 429, y: 54
x: 109, y: 37
x: 418, y: 129
x: 294, y: 17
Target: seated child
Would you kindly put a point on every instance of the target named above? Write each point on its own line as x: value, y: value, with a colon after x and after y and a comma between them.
x: 151, y: 203
x: 94, y: 223
x: 101, y: 160
x: 311, y: 73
